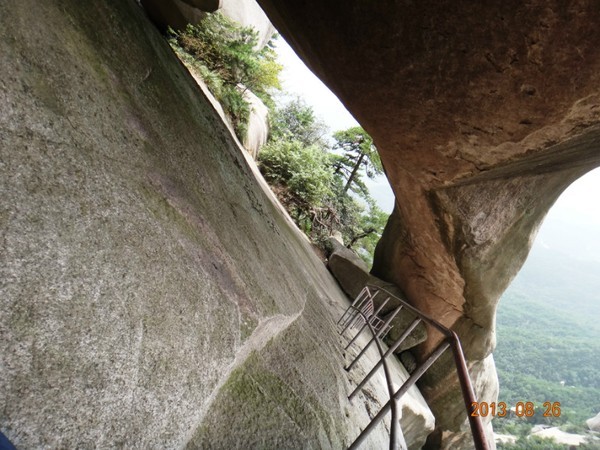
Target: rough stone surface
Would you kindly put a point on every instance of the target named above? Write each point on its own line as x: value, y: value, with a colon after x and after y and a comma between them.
x: 144, y: 273
x: 438, y: 386
x: 249, y: 14
x: 348, y: 268
x: 594, y: 423
x: 417, y: 421
x: 352, y: 274
x: 483, y: 114
x: 178, y: 13
x: 258, y: 124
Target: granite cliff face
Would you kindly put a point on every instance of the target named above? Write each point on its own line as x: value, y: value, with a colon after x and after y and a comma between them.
x: 483, y: 112
x: 152, y: 292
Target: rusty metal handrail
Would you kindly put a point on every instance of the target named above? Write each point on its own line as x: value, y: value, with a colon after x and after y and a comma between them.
x: 451, y: 340
x: 394, y: 425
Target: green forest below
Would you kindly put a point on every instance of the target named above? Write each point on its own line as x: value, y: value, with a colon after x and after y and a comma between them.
x: 548, y: 350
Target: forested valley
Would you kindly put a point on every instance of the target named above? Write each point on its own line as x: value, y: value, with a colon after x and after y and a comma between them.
x: 548, y: 350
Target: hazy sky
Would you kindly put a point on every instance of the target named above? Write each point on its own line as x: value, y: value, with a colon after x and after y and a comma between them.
x: 579, y: 204
x: 298, y: 80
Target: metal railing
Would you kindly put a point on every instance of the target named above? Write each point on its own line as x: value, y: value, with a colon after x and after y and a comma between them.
x: 361, y: 314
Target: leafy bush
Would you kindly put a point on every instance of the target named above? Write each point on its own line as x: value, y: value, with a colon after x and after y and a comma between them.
x: 533, y: 443
x: 226, y: 57
x: 311, y: 183
x: 302, y: 169
x: 297, y: 121
x: 237, y: 108
x: 305, y: 176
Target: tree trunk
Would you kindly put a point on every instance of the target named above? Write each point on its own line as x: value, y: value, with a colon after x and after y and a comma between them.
x: 354, y: 172
x: 360, y: 236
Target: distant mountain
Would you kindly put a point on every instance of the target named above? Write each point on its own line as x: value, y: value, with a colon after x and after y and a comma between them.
x: 548, y: 329
x: 568, y: 285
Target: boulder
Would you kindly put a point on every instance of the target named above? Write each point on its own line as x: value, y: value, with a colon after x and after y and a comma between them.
x: 249, y: 14
x: 437, y: 385
x: 417, y: 421
x: 348, y: 268
x: 258, y: 124
x: 594, y: 423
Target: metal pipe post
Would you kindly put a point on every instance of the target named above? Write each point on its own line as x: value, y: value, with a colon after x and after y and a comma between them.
x: 390, y: 350
x: 399, y: 393
x: 468, y: 394
x: 364, y: 290
x: 375, y: 336
x: 364, y: 326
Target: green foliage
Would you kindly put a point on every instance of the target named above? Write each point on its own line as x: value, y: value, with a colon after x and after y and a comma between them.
x: 237, y: 109
x: 230, y: 51
x: 533, y: 443
x: 549, y: 343
x: 297, y: 121
x: 539, y: 443
x: 302, y: 171
x: 267, y: 74
x: 363, y: 223
x: 226, y: 57
x: 311, y: 182
x: 543, y: 355
x: 519, y: 428
x: 356, y: 152
x: 368, y: 232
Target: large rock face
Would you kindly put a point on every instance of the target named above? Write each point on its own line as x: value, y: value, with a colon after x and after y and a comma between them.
x: 148, y: 285
x: 178, y: 13
x: 258, y: 124
x: 483, y: 112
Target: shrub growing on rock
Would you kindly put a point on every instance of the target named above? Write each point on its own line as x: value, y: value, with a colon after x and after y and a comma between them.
x: 322, y: 190
x: 227, y: 57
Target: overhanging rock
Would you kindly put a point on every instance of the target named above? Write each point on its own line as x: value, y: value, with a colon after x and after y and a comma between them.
x: 483, y: 113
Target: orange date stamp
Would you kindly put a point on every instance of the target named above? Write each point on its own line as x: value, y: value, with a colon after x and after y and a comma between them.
x: 521, y: 409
